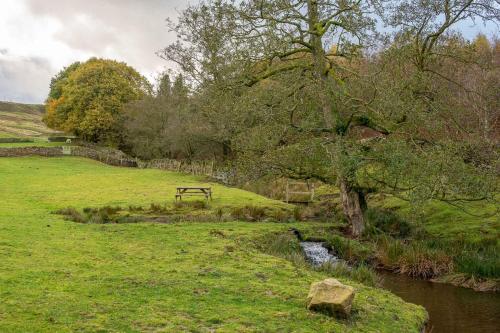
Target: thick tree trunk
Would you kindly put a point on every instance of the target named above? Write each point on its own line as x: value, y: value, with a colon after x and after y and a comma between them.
x: 226, y: 149
x: 320, y: 63
x: 353, y: 204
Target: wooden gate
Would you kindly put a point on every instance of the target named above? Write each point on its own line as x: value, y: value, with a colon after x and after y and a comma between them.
x: 301, y: 190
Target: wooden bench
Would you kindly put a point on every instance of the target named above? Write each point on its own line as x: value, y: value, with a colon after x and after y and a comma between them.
x: 194, y: 191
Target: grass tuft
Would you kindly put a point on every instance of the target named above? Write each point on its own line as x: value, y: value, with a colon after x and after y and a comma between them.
x: 248, y: 213
x: 71, y: 214
x: 191, y: 204
x: 90, y: 215
x: 383, y: 221
x: 414, y: 259
x: 350, y: 250
x: 361, y: 273
x: 157, y: 208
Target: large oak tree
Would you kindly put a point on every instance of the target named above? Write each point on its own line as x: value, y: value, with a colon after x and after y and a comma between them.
x: 311, y: 101
x: 87, y: 98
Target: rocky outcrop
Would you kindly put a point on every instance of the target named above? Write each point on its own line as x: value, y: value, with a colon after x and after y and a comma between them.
x: 332, y: 297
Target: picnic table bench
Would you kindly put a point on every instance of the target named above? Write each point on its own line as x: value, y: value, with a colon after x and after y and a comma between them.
x: 193, y: 191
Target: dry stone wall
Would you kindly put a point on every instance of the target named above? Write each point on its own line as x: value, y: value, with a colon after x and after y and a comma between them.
x: 110, y: 157
x: 30, y: 151
x: 117, y: 158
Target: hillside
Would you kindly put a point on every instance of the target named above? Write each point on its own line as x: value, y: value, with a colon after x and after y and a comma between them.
x: 22, y: 120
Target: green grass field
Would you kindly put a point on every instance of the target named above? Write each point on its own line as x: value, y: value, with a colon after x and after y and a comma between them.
x: 471, y: 222
x: 61, y: 276
x: 31, y: 144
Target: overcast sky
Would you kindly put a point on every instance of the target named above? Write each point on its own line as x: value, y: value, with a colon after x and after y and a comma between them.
x: 39, y: 37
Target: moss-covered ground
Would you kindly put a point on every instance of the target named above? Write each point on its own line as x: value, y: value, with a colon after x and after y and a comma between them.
x: 471, y: 222
x: 61, y: 276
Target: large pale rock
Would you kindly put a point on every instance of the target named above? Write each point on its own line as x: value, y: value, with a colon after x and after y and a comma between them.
x: 330, y: 296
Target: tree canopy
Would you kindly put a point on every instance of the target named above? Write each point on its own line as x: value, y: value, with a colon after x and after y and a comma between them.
x: 87, y: 98
x: 306, y: 89
x: 311, y: 89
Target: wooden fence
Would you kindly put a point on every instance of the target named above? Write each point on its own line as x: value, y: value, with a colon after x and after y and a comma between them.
x: 206, y: 168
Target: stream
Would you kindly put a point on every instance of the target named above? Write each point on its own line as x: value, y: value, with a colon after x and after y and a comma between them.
x: 317, y: 254
x: 451, y: 309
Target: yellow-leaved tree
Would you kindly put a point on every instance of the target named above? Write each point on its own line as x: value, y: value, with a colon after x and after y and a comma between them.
x: 87, y: 98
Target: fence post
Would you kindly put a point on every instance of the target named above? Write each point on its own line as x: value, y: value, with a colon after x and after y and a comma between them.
x: 286, y: 191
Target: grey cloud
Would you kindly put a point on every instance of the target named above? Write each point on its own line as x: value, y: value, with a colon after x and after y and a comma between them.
x: 24, y: 79
x: 132, y: 29
x: 126, y: 30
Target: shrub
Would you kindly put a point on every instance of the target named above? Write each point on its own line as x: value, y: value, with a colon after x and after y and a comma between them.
x: 90, y: 215
x: 366, y: 275
x: 349, y: 249
x: 238, y: 213
x: 249, y: 213
x: 326, y: 209
x: 100, y: 215
x: 298, y: 213
x: 280, y: 215
x: 71, y: 214
x: 157, y: 208
x: 361, y: 273
x: 97, y: 217
x: 195, y: 204
x: 386, y: 221
x: 219, y: 213
x: 256, y: 213
x: 132, y: 208
x: 388, y: 251
x: 484, y: 263
x: 420, y: 261
x: 283, y: 245
x: 110, y: 210
x: 415, y: 259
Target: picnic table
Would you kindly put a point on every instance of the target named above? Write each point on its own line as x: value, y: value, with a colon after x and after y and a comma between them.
x: 193, y: 191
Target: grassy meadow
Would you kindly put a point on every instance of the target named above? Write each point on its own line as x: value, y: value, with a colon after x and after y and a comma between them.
x: 41, y: 143
x: 473, y: 222
x: 61, y: 276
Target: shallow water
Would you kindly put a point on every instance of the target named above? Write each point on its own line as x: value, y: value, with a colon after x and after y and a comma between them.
x: 451, y: 309
x: 316, y: 254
